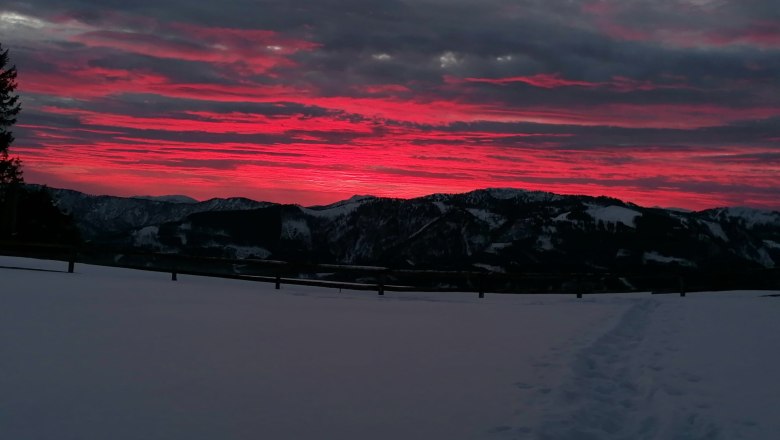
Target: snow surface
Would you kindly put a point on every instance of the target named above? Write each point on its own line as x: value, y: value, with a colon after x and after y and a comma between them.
x: 544, y: 242
x: 607, y: 214
x: 339, y: 208
x: 121, y: 354
x: 489, y: 267
x: 764, y: 258
x: 170, y: 199
x: 493, y: 248
x: 241, y: 252
x: 614, y: 214
x: 494, y: 220
x: 423, y: 228
x: 296, y: 229
x: 772, y: 244
x: 660, y: 258
x: 443, y: 208
x: 562, y: 217
x: 717, y: 230
x: 751, y: 217
x: 513, y: 193
x: 147, y: 236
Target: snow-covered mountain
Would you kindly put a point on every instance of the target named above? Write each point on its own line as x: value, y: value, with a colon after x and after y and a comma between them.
x: 494, y: 229
x: 171, y: 198
x: 101, y: 216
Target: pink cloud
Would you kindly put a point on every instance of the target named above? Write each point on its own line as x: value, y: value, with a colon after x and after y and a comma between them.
x: 246, y: 51
x: 758, y: 33
x: 543, y: 80
x: 555, y: 80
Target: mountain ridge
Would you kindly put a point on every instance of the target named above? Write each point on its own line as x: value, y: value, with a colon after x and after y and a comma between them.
x: 496, y: 228
x: 497, y: 192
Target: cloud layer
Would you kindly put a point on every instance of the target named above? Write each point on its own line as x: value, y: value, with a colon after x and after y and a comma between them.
x: 665, y: 102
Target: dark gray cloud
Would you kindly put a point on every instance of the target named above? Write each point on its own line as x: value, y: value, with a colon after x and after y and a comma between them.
x: 602, y: 76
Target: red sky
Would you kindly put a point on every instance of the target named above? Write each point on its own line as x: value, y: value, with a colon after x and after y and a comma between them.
x: 672, y: 103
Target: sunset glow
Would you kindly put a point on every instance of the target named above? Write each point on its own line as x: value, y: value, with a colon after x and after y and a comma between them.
x: 673, y: 103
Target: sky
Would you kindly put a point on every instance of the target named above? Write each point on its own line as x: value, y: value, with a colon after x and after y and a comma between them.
x: 662, y: 103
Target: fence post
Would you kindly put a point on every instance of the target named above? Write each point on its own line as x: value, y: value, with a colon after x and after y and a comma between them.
x: 381, y: 286
x: 682, y: 286
x: 481, y: 285
x: 173, y: 262
x: 72, y: 260
x: 278, y: 281
x: 579, y: 286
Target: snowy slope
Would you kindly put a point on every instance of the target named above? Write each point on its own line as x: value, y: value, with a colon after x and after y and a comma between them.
x: 337, y: 209
x: 120, y: 354
x: 749, y: 217
x: 177, y: 198
x: 541, y: 231
x: 101, y: 215
x: 613, y: 214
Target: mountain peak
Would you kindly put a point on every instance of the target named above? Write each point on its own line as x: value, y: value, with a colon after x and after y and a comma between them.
x: 339, y: 208
x: 176, y: 198
x: 500, y: 227
x: 749, y: 216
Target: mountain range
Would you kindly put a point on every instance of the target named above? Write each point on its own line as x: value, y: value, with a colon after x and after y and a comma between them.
x: 496, y: 230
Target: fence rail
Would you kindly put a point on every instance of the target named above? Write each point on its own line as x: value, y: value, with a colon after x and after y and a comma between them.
x: 382, y: 279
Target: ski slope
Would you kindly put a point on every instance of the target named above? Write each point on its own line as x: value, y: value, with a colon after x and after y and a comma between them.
x: 109, y: 353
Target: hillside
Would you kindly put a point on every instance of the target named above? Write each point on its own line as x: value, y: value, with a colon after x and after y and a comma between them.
x: 493, y: 229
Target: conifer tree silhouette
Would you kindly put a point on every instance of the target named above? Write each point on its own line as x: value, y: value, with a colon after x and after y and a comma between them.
x: 10, y: 167
x: 10, y: 106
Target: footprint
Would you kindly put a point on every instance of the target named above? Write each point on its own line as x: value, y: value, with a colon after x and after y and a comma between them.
x: 674, y: 391
x: 649, y: 426
x: 627, y: 404
x: 692, y: 378
x: 523, y: 386
x: 499, y: 429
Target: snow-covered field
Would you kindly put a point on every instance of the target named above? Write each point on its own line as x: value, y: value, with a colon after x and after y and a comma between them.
x: 109, y: 353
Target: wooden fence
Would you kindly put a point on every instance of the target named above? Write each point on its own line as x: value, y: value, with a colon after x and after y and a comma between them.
x: 383, y: 279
